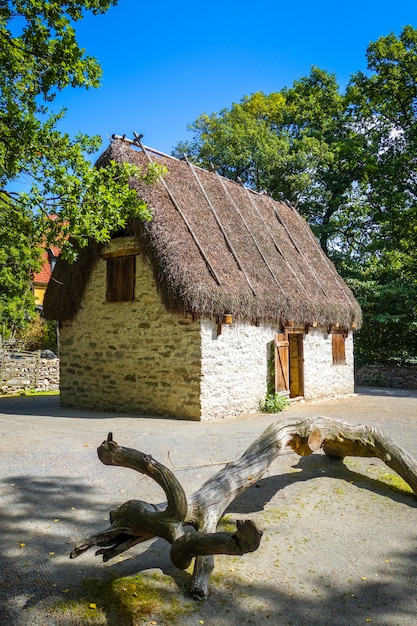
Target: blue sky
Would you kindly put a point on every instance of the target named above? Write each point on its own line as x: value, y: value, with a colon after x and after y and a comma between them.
x: 165, y: 63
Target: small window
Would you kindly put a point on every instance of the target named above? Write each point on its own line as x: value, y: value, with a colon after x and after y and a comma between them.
x: 121, y: 278
x: 338, y: 348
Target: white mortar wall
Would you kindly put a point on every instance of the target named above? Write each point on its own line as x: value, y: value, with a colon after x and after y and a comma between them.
x: 234, y: 368
x: 235, y: 363
x: 322, y: 378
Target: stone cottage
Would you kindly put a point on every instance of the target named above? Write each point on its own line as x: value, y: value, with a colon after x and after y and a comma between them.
x: 223, y: 296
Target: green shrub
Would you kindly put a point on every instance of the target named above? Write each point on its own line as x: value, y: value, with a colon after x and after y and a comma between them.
x: 273, y: 403
x: 40, y: 334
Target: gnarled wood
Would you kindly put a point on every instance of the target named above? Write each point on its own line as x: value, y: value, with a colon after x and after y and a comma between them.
x: 137, y: 521
x: 246, y: 539
x: 208, y: 503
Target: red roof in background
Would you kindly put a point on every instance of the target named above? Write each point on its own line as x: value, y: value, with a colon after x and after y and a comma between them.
x: 43, y: 277
x: 48, y: 254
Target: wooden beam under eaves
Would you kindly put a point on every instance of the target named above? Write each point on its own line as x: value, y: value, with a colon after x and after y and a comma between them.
x: 118, y: 253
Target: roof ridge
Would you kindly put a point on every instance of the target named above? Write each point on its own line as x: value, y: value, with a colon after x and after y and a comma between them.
x: 138, y: 144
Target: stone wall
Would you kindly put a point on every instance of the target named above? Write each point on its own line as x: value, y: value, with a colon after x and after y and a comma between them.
x: 322, y: 379
x: 48, y: 378
x: 48, y: 375
x: 101, y: 365
x: 387, y: 376
x: 234, y: 368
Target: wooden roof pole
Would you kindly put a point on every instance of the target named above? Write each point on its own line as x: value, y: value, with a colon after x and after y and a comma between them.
x: 137, y: 142
x: 220, y: 225
x: 306, y: 263
x: 220, y: 178
x: 276, y: 244
x: 281, y: 253
x: 326, y: 260
x: 186, y: 222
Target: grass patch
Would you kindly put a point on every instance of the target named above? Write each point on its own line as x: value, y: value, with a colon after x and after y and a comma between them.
x: 127, y: 601
x: 379, y: 472
x: 33, y: 392
x: 29, y: 393
x: 226, y: 524
x: 394, y: 480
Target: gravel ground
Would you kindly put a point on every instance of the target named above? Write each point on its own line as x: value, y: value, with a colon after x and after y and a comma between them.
x: 339, y: 545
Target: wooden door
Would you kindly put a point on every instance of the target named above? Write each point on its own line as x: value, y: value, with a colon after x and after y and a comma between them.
x: 296, y: 365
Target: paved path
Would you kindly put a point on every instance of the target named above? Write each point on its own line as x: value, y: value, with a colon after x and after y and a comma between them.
x: 339, y: 547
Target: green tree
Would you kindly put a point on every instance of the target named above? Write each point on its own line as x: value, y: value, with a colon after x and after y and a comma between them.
x: 382, y: 107
x: 238, y: 142
x: 17, y: 261
x: 39, y: 57
x: 387, y: 291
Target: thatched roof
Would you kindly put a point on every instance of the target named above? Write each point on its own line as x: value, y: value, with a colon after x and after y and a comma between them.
x: 217, y: 247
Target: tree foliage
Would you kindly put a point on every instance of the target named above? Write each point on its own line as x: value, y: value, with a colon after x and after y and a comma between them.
x: 347, y: 161
x: 17, y: 261
x: 387, y: 291
x: 382, y: 107
x: 47, y: 181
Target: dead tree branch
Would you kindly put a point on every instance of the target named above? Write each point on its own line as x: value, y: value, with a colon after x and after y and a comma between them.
x: 136, y: 521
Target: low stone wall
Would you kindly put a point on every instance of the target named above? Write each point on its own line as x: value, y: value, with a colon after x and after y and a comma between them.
x: 49, y: 375
x: 387, y: 376
x: 48, y: 378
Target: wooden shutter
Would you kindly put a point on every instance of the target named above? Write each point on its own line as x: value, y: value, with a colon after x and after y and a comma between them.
x: 338, y: 349
x: 282, y: 360
x: 120, y: 279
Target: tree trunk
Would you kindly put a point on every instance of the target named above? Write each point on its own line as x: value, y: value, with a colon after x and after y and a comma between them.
x: 136, y: 521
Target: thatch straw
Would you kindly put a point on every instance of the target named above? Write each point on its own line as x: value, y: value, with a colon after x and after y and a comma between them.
x: 222, y: 249
x: 68, y: 283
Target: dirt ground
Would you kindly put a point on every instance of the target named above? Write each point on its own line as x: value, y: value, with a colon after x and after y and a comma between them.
x: 339, y: 544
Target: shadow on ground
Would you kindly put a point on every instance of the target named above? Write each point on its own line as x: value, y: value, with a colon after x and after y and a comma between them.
x: 316, y: 466
x: 389, y: 392
x: 49, y: 406
x: 41, y: 521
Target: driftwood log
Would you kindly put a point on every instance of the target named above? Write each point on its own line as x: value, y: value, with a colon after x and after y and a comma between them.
x: 136, y: 521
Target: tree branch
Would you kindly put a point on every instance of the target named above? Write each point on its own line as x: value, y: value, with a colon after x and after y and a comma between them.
x: 246, y: 539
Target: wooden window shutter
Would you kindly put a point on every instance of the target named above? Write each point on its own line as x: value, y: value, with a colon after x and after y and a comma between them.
x: 338, y: 349
x: 121, y: 272
x: 282, y: 361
